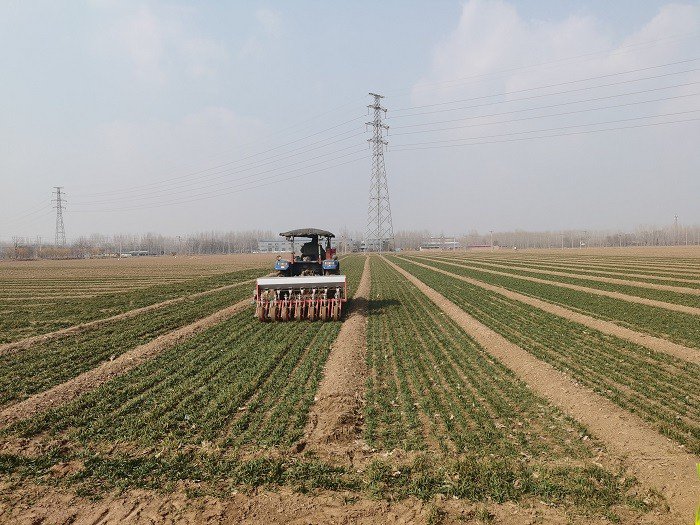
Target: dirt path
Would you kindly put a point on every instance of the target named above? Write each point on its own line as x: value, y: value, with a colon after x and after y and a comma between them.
x: 649, y: 341
x: 610, y: 280
x: 66, y: 392
x: 615, y: 295
x: 22, y: 344
x: 49, y: 506
x: 653, y: 458
x: 335, y: 419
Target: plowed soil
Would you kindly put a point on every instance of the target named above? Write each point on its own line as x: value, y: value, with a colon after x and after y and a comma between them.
x: 335, y: 420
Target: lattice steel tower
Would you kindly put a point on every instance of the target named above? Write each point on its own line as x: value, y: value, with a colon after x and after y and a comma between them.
x: 60, y: 229
x: 379, y: 233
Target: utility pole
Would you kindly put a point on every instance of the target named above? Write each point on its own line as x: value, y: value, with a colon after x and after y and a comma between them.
x: 491, y: 231
x: 675, y: 230
x: 60, y: 229
x: 562, y: 241
x: 379, y: 225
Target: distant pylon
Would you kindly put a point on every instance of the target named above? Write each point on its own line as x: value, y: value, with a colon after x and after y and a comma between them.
x: 379, y: 233
x: 60, y: 229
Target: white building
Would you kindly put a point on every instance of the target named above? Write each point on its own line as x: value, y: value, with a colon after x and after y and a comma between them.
x: 275, y: 246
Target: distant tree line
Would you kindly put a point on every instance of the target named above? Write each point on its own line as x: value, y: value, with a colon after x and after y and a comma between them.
x: 214, y: 242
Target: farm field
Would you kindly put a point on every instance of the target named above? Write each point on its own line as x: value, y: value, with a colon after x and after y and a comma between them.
x: 38, y: 297
x: 194, y: 411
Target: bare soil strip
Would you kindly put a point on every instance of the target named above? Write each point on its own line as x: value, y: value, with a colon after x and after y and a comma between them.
x: 66, y: 392
x: 615, y: 295
x: 46, y: 505
x: 23, y: 344
x: 335, y: 419
x: 649, y: 341
x: 653, y: 458
x: 610, y: 280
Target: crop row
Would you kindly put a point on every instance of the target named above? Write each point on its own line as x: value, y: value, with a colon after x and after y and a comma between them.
x: 586, y: 258
x: 429, y: 381
x: 624, y: 263
x: 38, y: 316
x: 635, y: 291
x: 243, y: 386
x: 679, y: 327
x: 641, y: 276
x: 663, y: 390
x: 48, y: 363
x: 432, y: 387
x: 236, y: 383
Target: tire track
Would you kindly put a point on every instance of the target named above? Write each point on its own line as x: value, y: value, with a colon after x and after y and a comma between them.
x: 655, y: 461
x: 87, y: 381
x: 23, y: 344
x: 607, y: 327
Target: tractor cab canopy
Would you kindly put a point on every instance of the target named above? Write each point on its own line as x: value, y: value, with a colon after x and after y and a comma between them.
x: 307, y: 232
x: 312, y: 250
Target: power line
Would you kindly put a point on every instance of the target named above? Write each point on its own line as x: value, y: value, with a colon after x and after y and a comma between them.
x: 228, y: 182
x: 505, y: 93
x: 222, y: 194
x: 479, y: 78
x: 223, y: 165
x: 573, y: 112
x: 549, y: 106
x: 411, y: 147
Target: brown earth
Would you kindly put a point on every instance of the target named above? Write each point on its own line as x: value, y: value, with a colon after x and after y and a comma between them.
x: 66, y: 392
x: 22, y: 344
x: 182, y: 267
x: 610, y: 280
x: 658, y: 344
x: 335, y: 419
x: 36, y: 505
x: 654, y: 459
x: 615, y: 295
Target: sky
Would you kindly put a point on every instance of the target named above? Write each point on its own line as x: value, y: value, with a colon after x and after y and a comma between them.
x: 177, y: 117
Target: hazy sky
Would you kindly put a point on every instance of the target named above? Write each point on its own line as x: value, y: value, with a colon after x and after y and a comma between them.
x: 183, y: 117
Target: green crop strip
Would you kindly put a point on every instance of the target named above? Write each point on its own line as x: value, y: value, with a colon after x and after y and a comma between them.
x: 663, y: 390
x: 44, y: 365
x: 241, y: 387
x: 19, y: 319
x: 237, y: 383
x: 679, y: 327
x: 579, y: 270
x: 649, y: 293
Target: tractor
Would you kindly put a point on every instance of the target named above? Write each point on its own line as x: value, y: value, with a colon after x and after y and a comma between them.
x: 308, y: 285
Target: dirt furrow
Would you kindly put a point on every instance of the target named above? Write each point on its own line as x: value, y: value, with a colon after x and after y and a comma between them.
x: 610, y: 280
x: 336, y: 416
x: 649, y: 341
x: 615, y: 295
x: 66, y: 392
x: 23, y: 344
x: 653, y: 458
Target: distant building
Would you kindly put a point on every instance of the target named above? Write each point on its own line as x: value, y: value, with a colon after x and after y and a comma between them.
x: 276, y: 246
x: 440, y: 243
x: 284, y: 246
